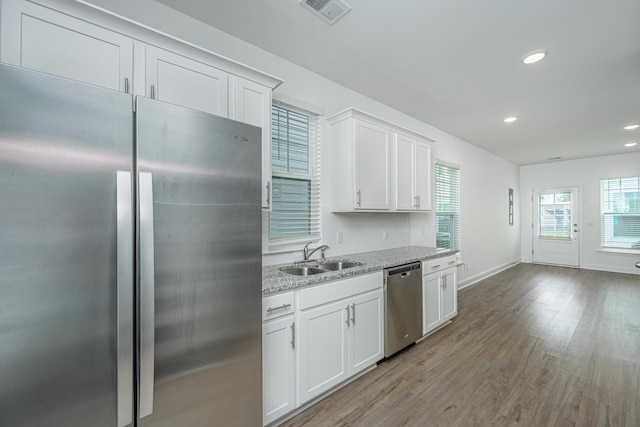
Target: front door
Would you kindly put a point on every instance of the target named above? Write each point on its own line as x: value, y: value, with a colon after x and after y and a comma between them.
x: 555, y: 226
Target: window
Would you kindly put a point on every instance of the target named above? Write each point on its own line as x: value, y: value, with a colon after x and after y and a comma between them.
x: 447, y: 206
x: 295, y: 162
x: 620, y: 199
x: 555, y: 215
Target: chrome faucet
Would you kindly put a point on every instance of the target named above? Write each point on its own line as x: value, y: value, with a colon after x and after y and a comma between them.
x: 308, y: 253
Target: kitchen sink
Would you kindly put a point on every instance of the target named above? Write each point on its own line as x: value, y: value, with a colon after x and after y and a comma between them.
x: 303, y: 271
x: 325, y: 267
x: 338, y: 265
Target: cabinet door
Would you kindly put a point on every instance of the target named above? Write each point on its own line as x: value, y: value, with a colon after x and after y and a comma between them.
x: 405, y: 173
x: 431, y: 303
x: 251, y: 103
x: 41, y: 39
x: 323, y: 349
x: 449, y: 293
x: 423, y: 175
x: 371, y: 159
x: 182, y: 81
x: 278, y: 367
x: 366, y: 339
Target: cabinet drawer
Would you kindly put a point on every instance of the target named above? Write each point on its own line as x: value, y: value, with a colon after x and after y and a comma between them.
x: 438, y: 264
x: 339, y: 289
x: 274, y: 306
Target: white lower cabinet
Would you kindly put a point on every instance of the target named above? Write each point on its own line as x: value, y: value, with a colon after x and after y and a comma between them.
x: 278, y: 363
x: 278, y: 356
x: 341, y: 332
x: 439, y: 293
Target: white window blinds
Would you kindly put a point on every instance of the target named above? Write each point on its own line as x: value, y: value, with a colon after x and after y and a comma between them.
x: 447, y: 206
x: 620, y: 199
x: 295, y: 159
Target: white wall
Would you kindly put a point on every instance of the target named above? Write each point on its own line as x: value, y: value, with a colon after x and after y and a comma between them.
x: 488, y: 243
x: 584, y: 174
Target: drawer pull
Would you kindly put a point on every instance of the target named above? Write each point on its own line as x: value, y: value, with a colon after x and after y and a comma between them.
x: 280, y: 307
x: 453, y: 261
x: 435, y: 266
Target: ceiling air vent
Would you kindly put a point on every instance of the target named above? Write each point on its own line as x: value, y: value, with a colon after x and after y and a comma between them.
x: 329, y: 10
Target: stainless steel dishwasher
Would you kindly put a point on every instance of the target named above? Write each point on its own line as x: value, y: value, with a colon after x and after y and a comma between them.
x: 403, y: 306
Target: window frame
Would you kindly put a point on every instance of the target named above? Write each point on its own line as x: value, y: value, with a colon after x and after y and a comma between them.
x: 606, y: 238
x: 284, y: 244
x: 454, y: 214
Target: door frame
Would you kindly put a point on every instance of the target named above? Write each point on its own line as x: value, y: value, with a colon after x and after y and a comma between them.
x: 575, y: 222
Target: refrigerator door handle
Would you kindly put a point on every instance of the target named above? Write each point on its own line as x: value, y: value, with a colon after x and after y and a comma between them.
x: 147, y: 309
x: 124, y: 287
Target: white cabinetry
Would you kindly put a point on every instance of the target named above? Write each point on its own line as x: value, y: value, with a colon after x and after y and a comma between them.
x: 413, y: 174
x: 182, y: 81
x: 371, y: 149
x: 251, y: 103
x: 341, y: 326
x: 439, y: 292
x: 78, y: 42
x: 44, y: 40
x: 375, y: 162
x: 278, y: 356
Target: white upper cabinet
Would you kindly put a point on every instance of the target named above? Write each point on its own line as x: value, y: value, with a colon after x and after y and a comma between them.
x: 42, y: 39
x: 378, y: 166
x: 371, y: 166
x: 183, y: 81
x: 251, y: 103
x: 413, y: 174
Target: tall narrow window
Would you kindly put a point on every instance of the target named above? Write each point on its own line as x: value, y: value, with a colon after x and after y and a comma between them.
x: 295, y: 160
x: 620, y: 199
x: 447, y: 206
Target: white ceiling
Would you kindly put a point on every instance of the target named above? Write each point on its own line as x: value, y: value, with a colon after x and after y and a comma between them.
x: 455, y: 64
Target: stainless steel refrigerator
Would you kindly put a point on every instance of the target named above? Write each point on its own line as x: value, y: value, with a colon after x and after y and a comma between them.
x: 130, y: 260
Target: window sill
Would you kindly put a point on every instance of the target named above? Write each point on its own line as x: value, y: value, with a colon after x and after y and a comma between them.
x: 622, y: 251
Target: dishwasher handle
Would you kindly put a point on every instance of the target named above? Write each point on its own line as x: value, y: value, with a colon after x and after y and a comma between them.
x: 404, y: 270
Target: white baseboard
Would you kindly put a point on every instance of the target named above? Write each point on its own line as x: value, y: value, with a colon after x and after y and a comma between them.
x: 481, y: 276
x: 630, y: 270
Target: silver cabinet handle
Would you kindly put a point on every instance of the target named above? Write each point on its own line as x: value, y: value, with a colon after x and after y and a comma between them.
x: 269, y: 193
x: 347, y: 321
x: 358, y: 198
x: 126, y: 85
x: 293, y: 335
x: 353, y: 314
x: 280, y: 307
x: 638, y: 264
x: 147, y: 293
x: 124, y: 287
x: 153, y: 92
x: 453, y: 261
x: 435, y: 267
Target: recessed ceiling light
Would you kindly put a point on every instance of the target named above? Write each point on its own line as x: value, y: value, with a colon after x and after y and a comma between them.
x: 630, y: 144
x: 510, y: 119
x: 632, y: 127
x: 533, y: 57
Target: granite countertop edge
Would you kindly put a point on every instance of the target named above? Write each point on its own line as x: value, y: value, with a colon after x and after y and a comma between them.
x: 274, y: 280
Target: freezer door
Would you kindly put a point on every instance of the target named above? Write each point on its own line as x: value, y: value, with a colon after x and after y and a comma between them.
x: 61, y: 145
x: 200, y: 268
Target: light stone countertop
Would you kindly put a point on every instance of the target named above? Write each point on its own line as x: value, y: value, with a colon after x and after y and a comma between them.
x: 274, y: 280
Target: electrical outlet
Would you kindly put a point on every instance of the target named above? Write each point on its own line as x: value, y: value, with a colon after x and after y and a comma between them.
x: 465, y: 266
x: 385, y: 234
x: 423, y: 232
x: 339, y: 237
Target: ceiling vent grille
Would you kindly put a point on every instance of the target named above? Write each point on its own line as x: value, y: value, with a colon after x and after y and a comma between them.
x: 329, y: 10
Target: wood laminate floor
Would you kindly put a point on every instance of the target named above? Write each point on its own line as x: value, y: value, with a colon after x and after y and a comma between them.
x: 531, y: 346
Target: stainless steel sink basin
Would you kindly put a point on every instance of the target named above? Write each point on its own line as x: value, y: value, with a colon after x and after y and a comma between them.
x: 302, y: 271
x: 338, y: 265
